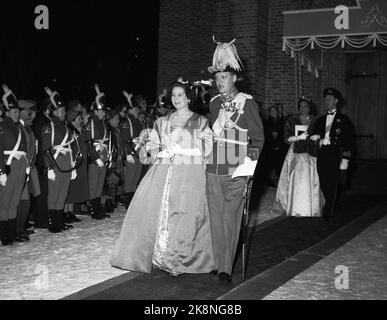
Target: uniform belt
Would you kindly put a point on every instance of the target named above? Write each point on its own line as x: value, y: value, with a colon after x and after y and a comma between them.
x: 195, y: 152
x: 231, y: 141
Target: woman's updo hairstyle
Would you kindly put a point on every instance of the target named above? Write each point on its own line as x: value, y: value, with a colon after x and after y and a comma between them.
x: 304, y: 99
x: 187, y: 87
x: 312, y: 107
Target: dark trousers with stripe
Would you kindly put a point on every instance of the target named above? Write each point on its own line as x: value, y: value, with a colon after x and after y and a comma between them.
x: 225, y: 203
x: 328, y: 168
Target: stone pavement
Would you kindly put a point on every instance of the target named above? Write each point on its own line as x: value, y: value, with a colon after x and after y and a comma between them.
x: 52, y: 266
x: 349, y: 264
x: 357, y: 270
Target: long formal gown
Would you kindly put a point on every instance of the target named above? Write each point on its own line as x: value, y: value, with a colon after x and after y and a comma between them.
x: 298, y: 191
x: 167, y: 222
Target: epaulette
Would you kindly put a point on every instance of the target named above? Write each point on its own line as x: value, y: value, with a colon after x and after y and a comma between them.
x: 245, y: 95
x: 215, y: 97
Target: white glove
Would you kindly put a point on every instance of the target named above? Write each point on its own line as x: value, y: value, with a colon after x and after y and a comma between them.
x: 130, y: 159
x: 303, y: 136
x: 325, y: 142
x: 51, y: 175
x: 344, y: 164
x: 99, y: 163
x: 3, y: 180
x: 315, y: 137
x: 74, y: 174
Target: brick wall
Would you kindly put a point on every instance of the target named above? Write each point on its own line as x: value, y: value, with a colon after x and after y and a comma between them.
x: 281, y: 68
x: 184, y: 35
x: 185, y: 39
x: 186, y: 47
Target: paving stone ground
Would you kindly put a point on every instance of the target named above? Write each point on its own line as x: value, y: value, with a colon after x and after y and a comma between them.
x: 52, y: 266
x: 363, y: 259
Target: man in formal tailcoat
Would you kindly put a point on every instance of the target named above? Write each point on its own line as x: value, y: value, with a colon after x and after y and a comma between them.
x: 335, y: 134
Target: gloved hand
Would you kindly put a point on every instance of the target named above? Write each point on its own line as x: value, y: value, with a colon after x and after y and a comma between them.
x: 74, y: 174
x: 51, y: 175
x: 3, y: 180
x: 303, y: 136
x: 130, y: 158
x: 292, y: 139
x: 344, y: 164
x: 99, y: 163
x: 315, y: 137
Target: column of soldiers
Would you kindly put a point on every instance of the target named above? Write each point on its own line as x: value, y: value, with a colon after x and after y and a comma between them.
x: 56, y: 161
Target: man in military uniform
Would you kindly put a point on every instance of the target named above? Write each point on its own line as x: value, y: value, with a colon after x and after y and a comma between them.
x: 99, y: 149
x: 56, y: 144
x: 129, y: 131
x: 238, y: 134
x: 13, y: 165
x: 335, y: 134
x: 32, y: 183
x: 39, y: 203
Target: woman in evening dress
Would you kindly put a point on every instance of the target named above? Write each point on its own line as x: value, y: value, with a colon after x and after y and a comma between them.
x: 167, y: 222
x: 298, y: 191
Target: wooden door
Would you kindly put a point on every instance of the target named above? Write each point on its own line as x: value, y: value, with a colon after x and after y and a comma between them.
x: 366, y: 96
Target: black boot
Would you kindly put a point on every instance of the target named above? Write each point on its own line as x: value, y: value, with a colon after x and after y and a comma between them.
x: 73, y: 217
x: 99, y: 209
x: 95, y: 209
x: 12, y: 232
x: 61, y: 220
x: 109, y: 206
x: 91, y: 208
x: 67, y: 217
x: 53, y: 225
x: 4, y: 237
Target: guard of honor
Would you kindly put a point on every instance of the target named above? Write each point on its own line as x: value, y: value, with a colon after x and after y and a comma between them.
x: 49, y: 166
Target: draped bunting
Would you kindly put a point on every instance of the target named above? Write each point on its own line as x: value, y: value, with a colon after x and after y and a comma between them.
x: 307, y: 31
x: 328, y: 43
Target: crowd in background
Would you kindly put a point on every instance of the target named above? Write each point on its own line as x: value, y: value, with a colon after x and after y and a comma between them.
x: 121, y: 169
x: 116, y: 188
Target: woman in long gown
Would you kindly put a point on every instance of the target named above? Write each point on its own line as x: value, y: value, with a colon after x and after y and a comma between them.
x: 298, y: 192
x: 167, y: 222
